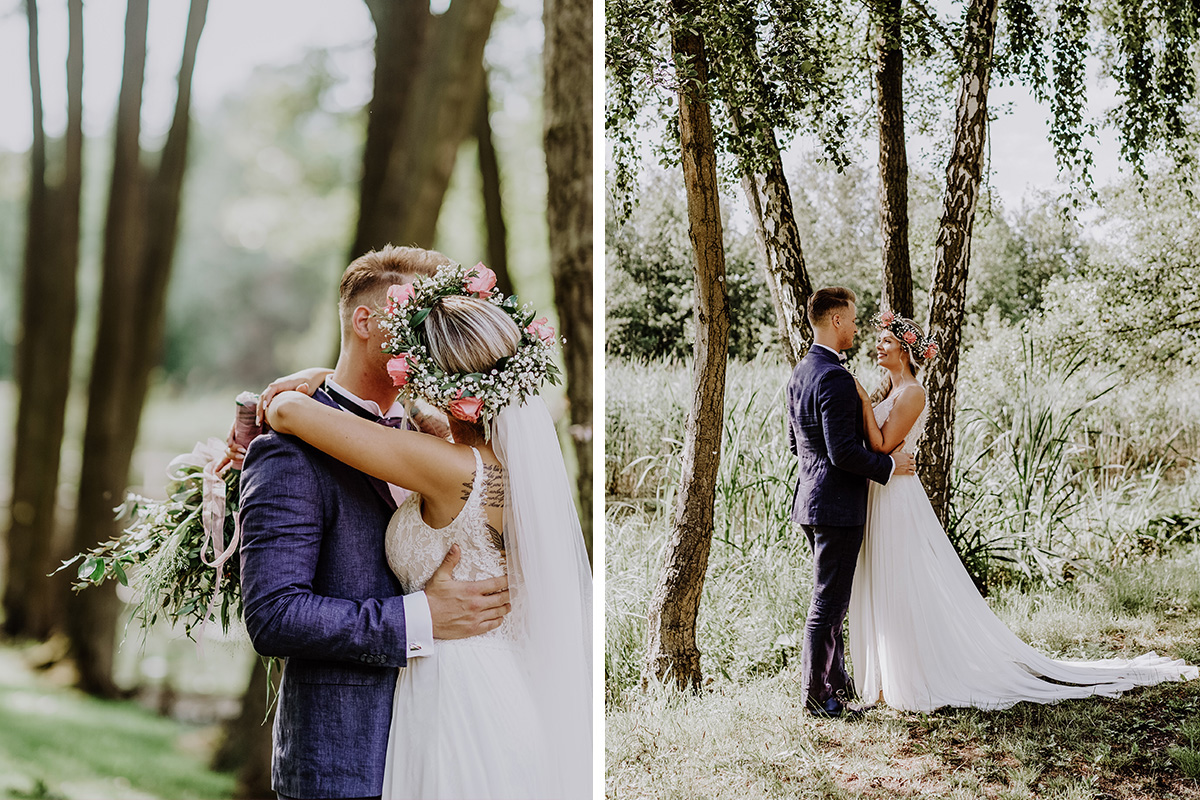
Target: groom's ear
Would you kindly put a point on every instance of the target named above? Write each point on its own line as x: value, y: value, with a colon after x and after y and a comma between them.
x: 360, y: 322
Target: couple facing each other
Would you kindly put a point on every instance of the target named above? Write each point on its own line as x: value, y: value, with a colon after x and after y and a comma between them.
x: 431, y: 596
x: 921, y: 636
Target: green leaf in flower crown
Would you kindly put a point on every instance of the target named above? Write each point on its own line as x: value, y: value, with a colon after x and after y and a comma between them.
x: 502, y: 363
x: 119, y: 571
x: 419, y: 317
x: 511, y: 303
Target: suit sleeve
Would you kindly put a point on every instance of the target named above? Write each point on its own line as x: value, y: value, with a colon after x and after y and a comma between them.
x: 281, y: 520
x: 840, y: 408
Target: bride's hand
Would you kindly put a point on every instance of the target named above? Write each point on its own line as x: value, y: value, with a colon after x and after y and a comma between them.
x: 862, y: 393
x: 306, y: 380
x: 276, y: 414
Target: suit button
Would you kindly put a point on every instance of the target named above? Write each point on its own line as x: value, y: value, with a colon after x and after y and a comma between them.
x: 364, y: 658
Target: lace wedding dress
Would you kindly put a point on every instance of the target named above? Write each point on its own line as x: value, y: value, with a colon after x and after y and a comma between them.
x: 922, y: 636
x: 464, y: 723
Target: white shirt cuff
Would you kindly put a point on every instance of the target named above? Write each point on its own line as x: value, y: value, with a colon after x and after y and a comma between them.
x: 418, y: 625
x: 891, y: 472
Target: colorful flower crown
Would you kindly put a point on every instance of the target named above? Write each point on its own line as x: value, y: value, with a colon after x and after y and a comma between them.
x: 473, y: 396
x: 919, y: 346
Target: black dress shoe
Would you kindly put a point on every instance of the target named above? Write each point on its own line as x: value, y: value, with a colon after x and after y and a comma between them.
x: 835, y: 708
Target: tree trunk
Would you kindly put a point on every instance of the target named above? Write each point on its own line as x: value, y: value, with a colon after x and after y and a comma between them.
x: 246, y: 746
x: 489, y: 179
x: 568, y: 143
x: 672, y: 649
x: 426, y: 98
x: 778, y: 239
x: 893, y: 160
x: 48, y: 308
x: 139, y: 245
x: 953, y: 252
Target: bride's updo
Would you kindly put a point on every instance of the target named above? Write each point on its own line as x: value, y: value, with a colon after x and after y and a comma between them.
x: 467, y: 334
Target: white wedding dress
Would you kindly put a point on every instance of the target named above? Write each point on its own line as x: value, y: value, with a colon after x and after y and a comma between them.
x: 464, y: 722
x: 923, y: 637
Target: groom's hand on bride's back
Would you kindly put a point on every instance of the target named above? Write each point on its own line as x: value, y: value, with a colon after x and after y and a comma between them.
x: 905, y: 463
x: 464, y: 608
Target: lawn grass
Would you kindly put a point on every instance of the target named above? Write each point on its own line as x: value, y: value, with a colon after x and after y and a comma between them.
x: 58, y: 742
x: 749, y: 738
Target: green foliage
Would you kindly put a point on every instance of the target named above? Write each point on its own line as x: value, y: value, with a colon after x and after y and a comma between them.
x: 164, y: 547
x: 650, y: 282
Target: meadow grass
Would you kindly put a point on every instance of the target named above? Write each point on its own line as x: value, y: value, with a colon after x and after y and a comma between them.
x: 57, y: 742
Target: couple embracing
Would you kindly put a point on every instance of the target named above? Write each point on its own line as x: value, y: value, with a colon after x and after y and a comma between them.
x: 921, y: 636
x: 430, y: 594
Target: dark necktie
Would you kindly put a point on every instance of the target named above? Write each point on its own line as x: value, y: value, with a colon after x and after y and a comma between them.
x: 354, y: 408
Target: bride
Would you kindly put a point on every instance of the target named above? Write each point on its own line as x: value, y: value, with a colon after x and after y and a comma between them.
x: 921, y: 635
x: 504, y: 714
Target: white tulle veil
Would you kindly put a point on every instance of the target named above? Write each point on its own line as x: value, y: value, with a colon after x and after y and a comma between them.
x: 550, y: 584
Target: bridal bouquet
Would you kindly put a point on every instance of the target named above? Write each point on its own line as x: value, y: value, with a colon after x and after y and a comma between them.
x: 180, y: 554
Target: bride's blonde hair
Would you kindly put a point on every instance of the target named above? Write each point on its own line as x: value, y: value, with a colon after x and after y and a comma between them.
x: 915, y: 362
x: 467, y: 334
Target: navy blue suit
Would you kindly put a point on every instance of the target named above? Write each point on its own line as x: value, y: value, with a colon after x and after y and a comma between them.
x: 318, y: 592
x: 825, y: 431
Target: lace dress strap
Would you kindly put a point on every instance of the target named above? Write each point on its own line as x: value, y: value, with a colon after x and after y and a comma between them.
x: 477, y: 481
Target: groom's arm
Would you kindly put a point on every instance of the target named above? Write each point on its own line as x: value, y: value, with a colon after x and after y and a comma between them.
x: 281, y: 518
x: 840, y: 408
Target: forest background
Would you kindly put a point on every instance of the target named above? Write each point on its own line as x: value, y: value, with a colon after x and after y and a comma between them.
x: 179, y: 195
x: 1020, y: 177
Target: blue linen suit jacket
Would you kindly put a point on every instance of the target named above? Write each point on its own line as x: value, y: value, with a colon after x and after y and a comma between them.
x: 825, y: 430
x: 318, y: 592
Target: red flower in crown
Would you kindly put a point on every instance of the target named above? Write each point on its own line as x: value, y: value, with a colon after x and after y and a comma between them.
x: 886, y: 318
x: 930, y: 351
x: 910, y: 337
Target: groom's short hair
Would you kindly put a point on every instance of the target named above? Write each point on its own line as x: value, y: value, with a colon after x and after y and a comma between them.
x: 366, y: 280
x: 826, y: 301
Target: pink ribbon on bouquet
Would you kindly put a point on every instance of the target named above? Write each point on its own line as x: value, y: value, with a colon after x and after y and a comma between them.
x: 213, y: 454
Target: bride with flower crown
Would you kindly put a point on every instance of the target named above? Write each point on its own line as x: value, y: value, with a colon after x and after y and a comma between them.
x: 507, y: 713
x: 921, y: 636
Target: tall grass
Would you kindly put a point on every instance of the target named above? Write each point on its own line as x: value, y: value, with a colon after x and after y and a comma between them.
x: 1063, y: 470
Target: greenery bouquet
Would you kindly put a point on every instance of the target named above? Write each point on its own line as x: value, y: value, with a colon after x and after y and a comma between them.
x: 180, y: 554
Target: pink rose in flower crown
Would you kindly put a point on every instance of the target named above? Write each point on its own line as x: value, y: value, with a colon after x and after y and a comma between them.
x: 910, y: 337
x: 540, y: 329
x: 399, y: 294
x: 466, y: 408
x: 482, y: 283
x: 398, y: 368
x: 930, y: 351
x: 886, y: 318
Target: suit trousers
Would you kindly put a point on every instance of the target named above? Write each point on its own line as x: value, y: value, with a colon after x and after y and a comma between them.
x: 823, y: 659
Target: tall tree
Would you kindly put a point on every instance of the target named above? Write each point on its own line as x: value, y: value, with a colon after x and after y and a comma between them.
x: 893, y: 157
x: 139, y: 242
x: 675, y: 604
x: 489, y: 184
x: 567, y: 139
x: 952, y: 253
x: 48, y: 305
x: 426, y: 91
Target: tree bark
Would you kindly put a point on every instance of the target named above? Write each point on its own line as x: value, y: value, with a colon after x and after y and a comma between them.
x: 953, y: 252
x: 778, y: 239
x: 489, y: 180
x: 426, y: 100
x: 567, y: 139
x: 893, y: 160
x: 139, y: 242
x: 32, y: 608
x: 674, y: 606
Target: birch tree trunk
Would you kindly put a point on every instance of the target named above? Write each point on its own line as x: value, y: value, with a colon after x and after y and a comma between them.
x: 893, y: 160
x: 778, y: 239
x: 672, y: 650
x: 953, y: 252
x: 139, y: 241
x: 567, y: 139
x: 32, y: 608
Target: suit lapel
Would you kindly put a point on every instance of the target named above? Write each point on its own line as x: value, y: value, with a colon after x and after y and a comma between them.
x: 380, y: 487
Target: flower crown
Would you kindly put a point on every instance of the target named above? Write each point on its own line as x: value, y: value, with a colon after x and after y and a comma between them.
x: 473, y: 396
x: 923, y: 347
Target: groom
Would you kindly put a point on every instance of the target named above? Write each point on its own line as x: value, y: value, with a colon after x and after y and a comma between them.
x: 315, y: 583
x: 825, y: 430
